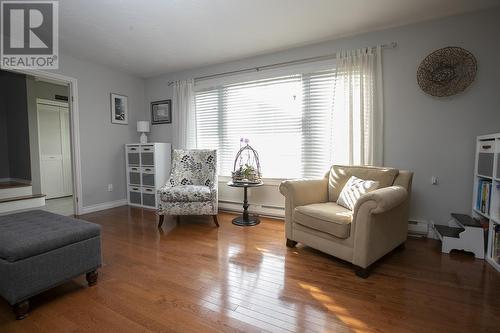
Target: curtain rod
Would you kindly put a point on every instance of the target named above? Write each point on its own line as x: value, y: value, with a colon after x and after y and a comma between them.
x: 281, y: 64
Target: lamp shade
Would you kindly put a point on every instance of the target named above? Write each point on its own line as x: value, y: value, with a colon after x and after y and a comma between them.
x: 143, y: 126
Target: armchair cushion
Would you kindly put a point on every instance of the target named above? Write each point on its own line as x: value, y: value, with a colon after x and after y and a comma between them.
x: 327, y: 217
x: 186, y: 193
x: 354, y: 189
x: 339, y: 175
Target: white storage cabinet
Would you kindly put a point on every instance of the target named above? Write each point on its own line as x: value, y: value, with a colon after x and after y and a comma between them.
x: 487, y: 170
x: 148, y: 169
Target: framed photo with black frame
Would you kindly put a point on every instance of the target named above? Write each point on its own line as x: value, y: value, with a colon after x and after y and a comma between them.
x: 161, y: 112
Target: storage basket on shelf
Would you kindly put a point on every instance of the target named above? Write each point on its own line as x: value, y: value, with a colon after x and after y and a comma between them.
x: 246, y: 167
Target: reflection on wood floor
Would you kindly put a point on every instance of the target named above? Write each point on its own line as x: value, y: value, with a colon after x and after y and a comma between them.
x: 193, y: 277
x: 63, y: 206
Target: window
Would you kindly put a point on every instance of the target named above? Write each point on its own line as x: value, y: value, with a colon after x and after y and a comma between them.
x: 287, y: 119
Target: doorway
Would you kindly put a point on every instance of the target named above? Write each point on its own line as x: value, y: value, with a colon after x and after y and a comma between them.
x: 67, y: 205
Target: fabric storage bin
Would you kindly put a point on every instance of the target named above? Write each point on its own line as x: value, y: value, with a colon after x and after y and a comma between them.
x: 147, y: 155
x: 135, y: 195
x: 133, y: 155
x: 485, y: 158
x: 485, y: 164
x: 149, y: 197
x: 134, y: 176
x: 498, y: 166
x: 148, y: 179
x: 148, y: 176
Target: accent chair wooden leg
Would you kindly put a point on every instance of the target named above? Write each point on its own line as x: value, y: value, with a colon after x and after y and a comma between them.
x: 362, y: 272
x: 215, y: 220
x: 160, y: 220
x: 92, y: 278
x: 290, y: 243
x: 21, y: 309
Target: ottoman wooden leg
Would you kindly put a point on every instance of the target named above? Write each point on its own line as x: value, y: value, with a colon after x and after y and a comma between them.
x: 21, y: 309
x: 362, y: 272
x: 92, y: 278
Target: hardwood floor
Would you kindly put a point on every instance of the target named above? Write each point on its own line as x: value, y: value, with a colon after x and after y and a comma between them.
x: 194, y: 277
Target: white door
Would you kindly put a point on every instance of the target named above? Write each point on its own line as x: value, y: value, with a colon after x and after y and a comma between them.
x: 55, y: 155
x: 66, y: 152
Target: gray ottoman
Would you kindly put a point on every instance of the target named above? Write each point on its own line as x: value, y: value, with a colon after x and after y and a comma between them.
x: 40, y: 250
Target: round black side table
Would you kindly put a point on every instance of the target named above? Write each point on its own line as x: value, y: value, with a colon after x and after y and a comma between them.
x: 245, y: 220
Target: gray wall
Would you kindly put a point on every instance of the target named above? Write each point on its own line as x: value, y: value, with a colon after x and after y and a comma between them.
x: 430, y: 136
x: 16, y: 116
x: 4, y: 146
x: 38, y: 89
x: 102, y: 143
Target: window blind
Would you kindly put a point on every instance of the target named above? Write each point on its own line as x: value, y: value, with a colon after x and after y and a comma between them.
x: 288, y: 120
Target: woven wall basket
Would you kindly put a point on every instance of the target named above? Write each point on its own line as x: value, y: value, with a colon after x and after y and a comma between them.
x: 447, y: 71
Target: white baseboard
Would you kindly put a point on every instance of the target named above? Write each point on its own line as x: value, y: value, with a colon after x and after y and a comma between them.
x: 103, y: 206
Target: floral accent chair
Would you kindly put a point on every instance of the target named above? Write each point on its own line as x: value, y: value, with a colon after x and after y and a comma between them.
x: 192, y: 186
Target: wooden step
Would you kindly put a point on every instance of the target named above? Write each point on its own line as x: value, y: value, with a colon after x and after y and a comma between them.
x: 24, y: 202
x: 466, y: 220
x: 23, y: 197
x: 12, y: 184
x: 445, y: 231
x: 14, y: 189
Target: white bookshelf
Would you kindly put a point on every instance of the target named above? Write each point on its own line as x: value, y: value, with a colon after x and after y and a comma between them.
x: 148, y: 169
x: 487, y: 169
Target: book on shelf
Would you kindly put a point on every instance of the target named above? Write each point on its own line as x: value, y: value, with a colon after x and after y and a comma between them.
x: 483, y: 199
x: 496, y: 244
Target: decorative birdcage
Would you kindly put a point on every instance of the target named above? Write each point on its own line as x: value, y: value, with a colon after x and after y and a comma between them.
x: 246, y: 164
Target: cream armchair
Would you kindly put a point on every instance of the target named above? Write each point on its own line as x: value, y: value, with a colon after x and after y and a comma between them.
x: 377, y: 225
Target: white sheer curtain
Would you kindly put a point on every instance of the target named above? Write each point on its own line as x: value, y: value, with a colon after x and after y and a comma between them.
x: 358, y: 103
x: 184, y: 117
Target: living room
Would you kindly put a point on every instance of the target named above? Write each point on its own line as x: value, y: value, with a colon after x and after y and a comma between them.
x: 265, y: 166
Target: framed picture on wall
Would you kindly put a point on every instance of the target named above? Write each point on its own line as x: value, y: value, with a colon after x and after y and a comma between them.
x: 119, y: 109
x: 161, y: 112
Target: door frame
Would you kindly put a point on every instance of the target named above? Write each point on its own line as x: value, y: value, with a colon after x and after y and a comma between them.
x: 74, y: 124
x: 43, y: 101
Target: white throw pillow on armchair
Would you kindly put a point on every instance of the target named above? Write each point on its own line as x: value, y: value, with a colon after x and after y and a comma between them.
x: 354, y: 189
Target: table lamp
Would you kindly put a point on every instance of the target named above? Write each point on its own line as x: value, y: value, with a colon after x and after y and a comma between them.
x: 143, y: 127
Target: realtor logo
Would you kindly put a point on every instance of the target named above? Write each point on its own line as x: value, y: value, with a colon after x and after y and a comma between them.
x: 29, y: 34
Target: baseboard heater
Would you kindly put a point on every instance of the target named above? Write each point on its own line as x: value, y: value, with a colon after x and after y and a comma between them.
x: 262, y: 210
x: 230, y: 202
x: 418, y: 228
x: 240, y: 203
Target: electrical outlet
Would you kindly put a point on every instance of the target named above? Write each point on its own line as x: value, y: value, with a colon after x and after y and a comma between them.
x: 110, y: 187
x: 434, y: 180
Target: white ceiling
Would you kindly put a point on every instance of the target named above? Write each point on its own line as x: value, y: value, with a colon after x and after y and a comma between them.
x: 151, y: 37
